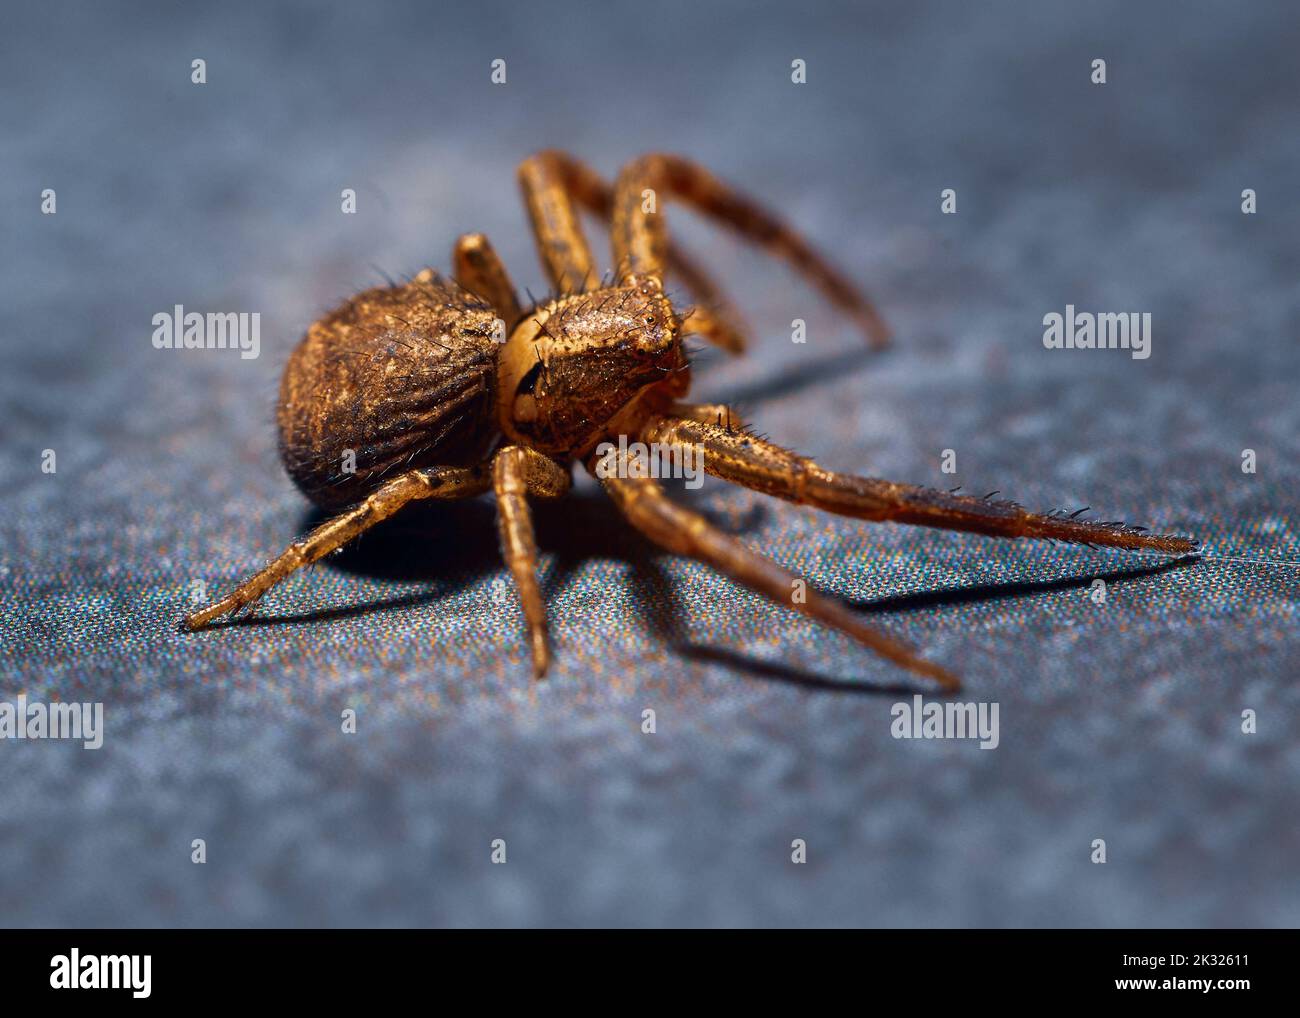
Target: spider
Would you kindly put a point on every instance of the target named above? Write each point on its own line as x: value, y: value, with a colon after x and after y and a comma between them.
x: 446, y: 389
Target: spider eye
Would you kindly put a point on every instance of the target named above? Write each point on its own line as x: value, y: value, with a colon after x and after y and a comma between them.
x: 528, y: 384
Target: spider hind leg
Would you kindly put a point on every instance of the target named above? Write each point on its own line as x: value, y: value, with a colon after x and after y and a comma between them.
x: 437, y: 482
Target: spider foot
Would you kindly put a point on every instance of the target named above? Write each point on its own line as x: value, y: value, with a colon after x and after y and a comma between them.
x: 233, y: 605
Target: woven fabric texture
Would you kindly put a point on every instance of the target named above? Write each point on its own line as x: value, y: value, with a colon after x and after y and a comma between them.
x: 1119, y: 720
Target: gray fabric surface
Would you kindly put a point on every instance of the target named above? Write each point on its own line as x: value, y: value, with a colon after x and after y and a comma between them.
x: 1118, y: 721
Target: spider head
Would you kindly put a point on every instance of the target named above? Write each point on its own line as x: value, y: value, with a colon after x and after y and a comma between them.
x: 574, y: 364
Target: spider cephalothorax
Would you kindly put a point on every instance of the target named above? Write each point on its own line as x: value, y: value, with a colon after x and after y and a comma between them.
x: 574, y: 365
x: 408, y: 392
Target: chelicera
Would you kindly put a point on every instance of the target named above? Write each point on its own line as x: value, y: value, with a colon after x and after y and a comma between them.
x: 407, y: 392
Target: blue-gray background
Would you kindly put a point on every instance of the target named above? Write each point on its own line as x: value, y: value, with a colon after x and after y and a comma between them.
x: 1119, y: 721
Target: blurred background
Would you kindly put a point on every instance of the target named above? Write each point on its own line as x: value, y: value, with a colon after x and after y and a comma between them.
x: 1119, y: 721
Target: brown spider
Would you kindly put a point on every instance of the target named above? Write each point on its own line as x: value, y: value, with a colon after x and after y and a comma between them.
x: 441, y: 389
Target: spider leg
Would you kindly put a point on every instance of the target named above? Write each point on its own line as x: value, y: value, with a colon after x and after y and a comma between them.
x: 683, y: 532
x: 437, y: 482
x: 516, y: 473
x: 754, y: 463
x: 709, y: 413
x: 700, y: 321
x: 566, y: 257
x: 480, y: 271
x: 549, y: 172
x: 726, y: 326
x: 641, y: 240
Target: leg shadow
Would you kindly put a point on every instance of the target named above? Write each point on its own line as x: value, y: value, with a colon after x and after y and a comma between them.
x: 947, y: 596
x: 778, y: 671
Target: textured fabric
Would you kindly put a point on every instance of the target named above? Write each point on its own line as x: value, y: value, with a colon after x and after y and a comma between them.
x: 1119, y: 721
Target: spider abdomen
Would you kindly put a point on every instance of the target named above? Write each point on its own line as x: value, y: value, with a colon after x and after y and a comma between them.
x: 394, y: 379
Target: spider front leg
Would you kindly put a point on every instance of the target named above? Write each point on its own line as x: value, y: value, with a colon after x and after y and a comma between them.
x: 480, y: 271
x: 437, y: 482
x: 547, y: 179
x: 555, y: 186
x: 683, y: 532
x: 641, y: 240
x: 754, y: 463
x: 516, y: 473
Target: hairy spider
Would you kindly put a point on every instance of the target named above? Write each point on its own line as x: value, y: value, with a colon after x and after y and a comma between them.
x: 442, y: 389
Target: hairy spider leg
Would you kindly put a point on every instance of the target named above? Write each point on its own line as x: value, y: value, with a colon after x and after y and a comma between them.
x: 566, y: 256
x: 480, y: 270
x: 710, y: 413
x: 561, y: 177
x: 436, y: 482
x: 640, y: 238
x: 713, y: 325
x: 740, y: 457
x: 516, y: 473
x: 677, y: 529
